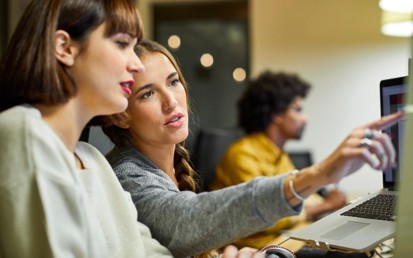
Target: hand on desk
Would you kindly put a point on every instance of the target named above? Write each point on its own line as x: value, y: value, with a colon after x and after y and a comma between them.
x: 333, y: 201
x: 246, y: 252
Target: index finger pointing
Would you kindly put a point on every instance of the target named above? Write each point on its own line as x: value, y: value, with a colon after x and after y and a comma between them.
x: 385, y: 121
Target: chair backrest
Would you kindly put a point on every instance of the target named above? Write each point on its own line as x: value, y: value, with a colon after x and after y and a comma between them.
x: 210, y: 146
x: 301, y: 159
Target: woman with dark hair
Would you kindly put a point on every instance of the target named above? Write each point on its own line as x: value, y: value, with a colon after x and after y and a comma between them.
x: 67, y: 62
x: 151, y: 162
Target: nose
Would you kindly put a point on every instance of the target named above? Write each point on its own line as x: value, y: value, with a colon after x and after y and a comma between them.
x: 135, y: 64
x: 304, y: 119
x: 169, y: 102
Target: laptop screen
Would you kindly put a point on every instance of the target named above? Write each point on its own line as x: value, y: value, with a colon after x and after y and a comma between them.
x: 392, y: 92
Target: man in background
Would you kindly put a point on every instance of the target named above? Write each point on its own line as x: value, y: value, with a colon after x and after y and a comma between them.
x: 270, y: 113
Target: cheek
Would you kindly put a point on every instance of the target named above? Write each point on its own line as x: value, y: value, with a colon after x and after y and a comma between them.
x: 140, y: 116
x: 113, y: 62
x: 182, y: 99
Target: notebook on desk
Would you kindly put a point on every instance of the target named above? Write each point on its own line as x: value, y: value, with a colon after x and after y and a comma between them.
x: 357, y: 227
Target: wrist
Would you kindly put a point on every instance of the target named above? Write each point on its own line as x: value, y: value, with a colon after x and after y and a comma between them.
x: 296, y: 195
x: 298, y: 185
x: 324, y: 173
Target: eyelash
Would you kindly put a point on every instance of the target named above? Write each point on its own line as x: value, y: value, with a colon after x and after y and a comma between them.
x: 175, y: 82
x: 122, y: 44
x: 147, y: 94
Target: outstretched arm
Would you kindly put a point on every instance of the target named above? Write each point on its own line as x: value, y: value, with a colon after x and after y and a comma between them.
x: 364, y: 145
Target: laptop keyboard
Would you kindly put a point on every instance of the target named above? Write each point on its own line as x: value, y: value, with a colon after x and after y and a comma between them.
x: 380, y: 207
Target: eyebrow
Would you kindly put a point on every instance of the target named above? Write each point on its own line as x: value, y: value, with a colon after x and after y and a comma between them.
x: 146, y: 86
x: 171, y: 75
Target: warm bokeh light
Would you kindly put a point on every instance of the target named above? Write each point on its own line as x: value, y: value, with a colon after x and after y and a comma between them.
x: 207, y: 60
x: 174, y: 41
x: 239, y: 74
x: 399, y: 6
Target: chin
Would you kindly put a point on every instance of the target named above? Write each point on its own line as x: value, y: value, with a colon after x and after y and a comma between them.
x: 182, y: 137
x: 120, y: 106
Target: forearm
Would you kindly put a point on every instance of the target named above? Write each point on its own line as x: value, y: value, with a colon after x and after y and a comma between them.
x: 349, y: 156
x: 306, y: 182
x: 184, y: 222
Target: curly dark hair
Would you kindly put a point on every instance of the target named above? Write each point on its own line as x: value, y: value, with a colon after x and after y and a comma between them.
x: 268, y: 94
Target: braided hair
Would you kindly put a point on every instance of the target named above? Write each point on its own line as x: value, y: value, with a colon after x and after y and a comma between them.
x: 120, y: 137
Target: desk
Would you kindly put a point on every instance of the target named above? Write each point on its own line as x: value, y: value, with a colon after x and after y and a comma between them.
x: 291, y: 244
x: 385, y: 251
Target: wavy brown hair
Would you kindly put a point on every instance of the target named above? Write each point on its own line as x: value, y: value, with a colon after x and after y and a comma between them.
x: 30, y: 72
x: 122, y: 138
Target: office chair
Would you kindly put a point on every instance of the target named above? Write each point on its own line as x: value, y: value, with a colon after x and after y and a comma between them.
x: 210, y: 145
x: 301, y: 159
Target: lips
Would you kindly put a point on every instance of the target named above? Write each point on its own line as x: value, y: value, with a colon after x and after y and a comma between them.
x: 126, y: 87
x: 175, y: 119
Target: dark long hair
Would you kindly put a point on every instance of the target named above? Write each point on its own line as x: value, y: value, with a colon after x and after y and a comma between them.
x: 29, y: 70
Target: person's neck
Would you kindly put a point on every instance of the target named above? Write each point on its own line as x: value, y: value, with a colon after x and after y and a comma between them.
x: 65, y: 121
x: 276, y: 137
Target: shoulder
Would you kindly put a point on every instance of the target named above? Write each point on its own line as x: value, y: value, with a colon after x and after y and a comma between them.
x: 129, y: 162
x: 16, y: 152
x: 128, y: 155
x: 132, y: 168
x: 247, y: 145
x: 23, y: 131
x: 20, y: 111
x: 31, y: 148
x: 17, y: 120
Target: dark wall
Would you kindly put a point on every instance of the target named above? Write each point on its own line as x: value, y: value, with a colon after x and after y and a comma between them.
x: 220, y: 29
x: 3, y: 25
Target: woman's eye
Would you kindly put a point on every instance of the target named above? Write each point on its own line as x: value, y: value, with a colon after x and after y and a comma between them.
x: 147, y: 94
x: 122, y: 44
x: 175, y: 82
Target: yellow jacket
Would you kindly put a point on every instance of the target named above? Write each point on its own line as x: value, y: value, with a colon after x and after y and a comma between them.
x: 251, y: 156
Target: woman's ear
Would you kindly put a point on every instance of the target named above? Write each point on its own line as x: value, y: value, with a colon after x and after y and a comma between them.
x: 276, y: 119
x: 65, y: 48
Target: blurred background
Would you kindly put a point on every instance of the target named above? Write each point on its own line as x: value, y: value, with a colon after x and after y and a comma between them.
x: 338, y: 46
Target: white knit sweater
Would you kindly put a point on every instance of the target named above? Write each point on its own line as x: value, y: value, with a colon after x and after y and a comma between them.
x: 49, y: 208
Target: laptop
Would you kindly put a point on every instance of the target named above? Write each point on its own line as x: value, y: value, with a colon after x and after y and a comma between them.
x: 356, y: 227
